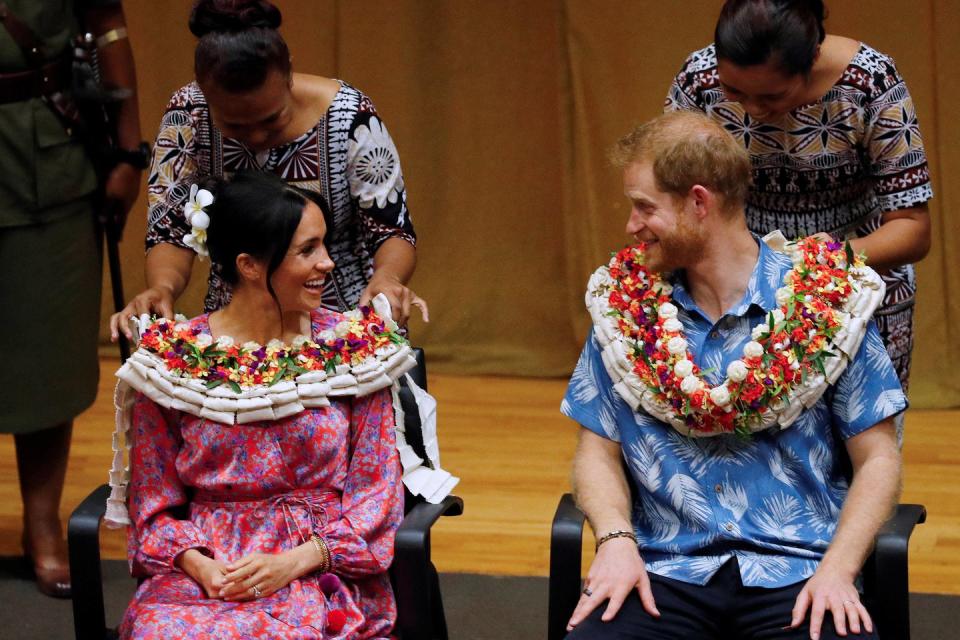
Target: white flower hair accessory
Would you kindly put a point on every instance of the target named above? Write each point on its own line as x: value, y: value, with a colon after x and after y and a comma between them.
x: 198, y: 219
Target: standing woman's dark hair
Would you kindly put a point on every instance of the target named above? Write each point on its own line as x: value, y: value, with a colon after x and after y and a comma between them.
x: 238, y: 43
x: 255, y: 213
x: 786, y: 32
x: 247, y: 109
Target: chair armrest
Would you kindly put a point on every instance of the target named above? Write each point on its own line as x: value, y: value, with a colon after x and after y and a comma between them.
x: 83, y: 541
x: 419, y: 372
x: 414, y: 577
x: 566, y: 539
x: 885, y: 576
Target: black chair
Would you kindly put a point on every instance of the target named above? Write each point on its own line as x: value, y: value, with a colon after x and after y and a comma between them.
x: 885, y: 581
x: 413, y: 575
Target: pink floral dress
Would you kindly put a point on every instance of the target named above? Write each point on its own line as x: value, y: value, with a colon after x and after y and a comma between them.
x: 265, y: 487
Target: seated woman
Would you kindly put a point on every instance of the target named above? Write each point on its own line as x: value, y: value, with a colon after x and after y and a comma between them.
x: 270, y: 421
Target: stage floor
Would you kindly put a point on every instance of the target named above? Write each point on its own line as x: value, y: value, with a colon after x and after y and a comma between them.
x: 508, y: 442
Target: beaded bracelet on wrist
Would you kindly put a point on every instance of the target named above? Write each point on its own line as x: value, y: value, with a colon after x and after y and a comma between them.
x: 619, y: 533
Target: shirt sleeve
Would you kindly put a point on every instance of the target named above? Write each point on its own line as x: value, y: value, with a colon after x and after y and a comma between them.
x: 361, y: 540
x: 897, y: 159
x: 173, y: 169
x: 591, y: 400
x: 868, y: 391
x: 376, y: 180
x: 156, y: 537
x: 683, y: 94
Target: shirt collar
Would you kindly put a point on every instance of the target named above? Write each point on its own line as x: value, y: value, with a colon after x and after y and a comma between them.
x: 766, y: 278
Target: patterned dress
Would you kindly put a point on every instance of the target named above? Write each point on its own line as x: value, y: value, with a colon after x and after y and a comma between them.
x: 348, y: 157
x: 265, y: 487
x: 834, y: 165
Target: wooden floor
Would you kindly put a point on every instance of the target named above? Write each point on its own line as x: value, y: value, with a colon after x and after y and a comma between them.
x: 508, y: 442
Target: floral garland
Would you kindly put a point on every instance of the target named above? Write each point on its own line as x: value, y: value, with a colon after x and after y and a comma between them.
x: 189, y: 353
x: 181, y: 368
x: 792, y: 356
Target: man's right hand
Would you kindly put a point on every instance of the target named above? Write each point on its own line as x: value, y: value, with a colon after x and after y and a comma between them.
x: 615, y: 572
x: 155, y: 300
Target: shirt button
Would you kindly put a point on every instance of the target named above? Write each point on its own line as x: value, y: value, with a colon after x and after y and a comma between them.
x: 714, y: 334
x: 728, y: 526
x: 718, y: 488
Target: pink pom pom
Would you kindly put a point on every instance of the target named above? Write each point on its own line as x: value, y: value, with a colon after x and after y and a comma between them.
x: 329, y: 583
x: 335, y: 620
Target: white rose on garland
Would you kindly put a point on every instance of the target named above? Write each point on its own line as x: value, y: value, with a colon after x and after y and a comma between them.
x: 677, y: 345
x: 683, y: 368
x: 737, y: 371
x: 753, y: 349
x: 668, y: 310
x: 673, y: 325
x: 720, y: 395
x: 690, y: 384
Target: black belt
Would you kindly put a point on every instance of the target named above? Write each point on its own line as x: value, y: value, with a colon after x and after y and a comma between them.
x: 49, y: 79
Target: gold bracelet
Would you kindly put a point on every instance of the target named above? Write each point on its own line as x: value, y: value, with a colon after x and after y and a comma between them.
x: 619, y: 533
x: 111, y: 36
x: 321, y: 547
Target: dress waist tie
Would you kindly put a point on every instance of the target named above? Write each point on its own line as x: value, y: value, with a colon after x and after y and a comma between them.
x: 320, y: 505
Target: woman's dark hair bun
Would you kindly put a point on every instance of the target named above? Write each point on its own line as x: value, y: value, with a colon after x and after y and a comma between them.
x: 789, y: 32
x: 230, y: 16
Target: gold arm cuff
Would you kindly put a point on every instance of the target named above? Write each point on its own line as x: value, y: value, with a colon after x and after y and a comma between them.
x: 111, y: 36
x: 321, y: 546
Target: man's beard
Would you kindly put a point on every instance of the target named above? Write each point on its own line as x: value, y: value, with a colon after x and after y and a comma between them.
x: 680, y: 248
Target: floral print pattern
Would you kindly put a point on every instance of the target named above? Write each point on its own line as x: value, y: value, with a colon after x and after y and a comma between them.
x: 265, y: 487
x: 375, y: 170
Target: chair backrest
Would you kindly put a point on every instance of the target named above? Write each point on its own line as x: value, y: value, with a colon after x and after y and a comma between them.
x: 411, y: 418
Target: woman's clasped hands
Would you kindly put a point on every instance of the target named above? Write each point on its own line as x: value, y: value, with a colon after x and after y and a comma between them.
x: 254, y: 576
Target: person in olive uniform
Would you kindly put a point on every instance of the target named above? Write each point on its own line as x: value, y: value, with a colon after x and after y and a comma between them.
x: 50, y: 250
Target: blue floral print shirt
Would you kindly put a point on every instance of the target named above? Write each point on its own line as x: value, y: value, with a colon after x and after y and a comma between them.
x: 772, y: 501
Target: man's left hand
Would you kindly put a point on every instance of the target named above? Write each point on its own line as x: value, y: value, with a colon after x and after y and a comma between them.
x: 401, y: 298
x: 829, y: 590
x: 120, y: 192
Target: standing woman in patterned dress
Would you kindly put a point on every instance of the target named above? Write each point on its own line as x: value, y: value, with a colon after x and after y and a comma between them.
x: 833, y: 137
x: 247, y: 109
